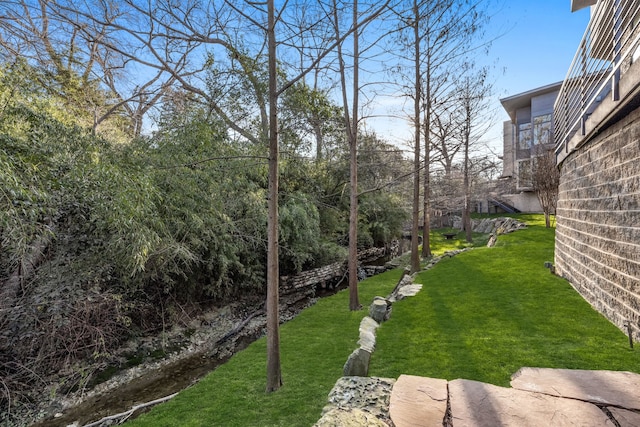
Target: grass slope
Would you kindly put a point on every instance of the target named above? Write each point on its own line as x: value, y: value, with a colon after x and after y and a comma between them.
x: 485, y: 313
x: 480, y: 315
x: 314, y: 347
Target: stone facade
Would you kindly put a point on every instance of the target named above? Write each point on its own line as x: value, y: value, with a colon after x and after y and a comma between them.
x: 598, y: 221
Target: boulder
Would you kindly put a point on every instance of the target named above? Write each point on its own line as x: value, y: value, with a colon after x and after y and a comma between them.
x: 370, y: 395
x: 349, y: 418
x: 357, y: 365
x: 378, y: 309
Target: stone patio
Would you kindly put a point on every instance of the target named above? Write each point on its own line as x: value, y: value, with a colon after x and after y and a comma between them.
x: 538, y: 397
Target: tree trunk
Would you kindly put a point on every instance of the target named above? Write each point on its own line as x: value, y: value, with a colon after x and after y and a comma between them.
x: 354, y: 302
x: 25, y: 270
x: 274, y: 375
x: 466, y: 214
x: 426, y: 228
x: 415, y: 215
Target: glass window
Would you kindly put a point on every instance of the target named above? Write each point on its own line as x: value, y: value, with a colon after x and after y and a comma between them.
x: 525, y: 174
x: 542, y: 129
x: 524, y: 136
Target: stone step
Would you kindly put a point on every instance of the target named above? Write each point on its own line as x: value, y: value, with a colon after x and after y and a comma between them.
x: 611, y: 388
x: 538, y: 397
x: 477, y: 404
x: 418, y: 401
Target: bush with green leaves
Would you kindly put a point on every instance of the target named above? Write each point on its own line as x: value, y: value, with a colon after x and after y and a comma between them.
x: 98, y: 237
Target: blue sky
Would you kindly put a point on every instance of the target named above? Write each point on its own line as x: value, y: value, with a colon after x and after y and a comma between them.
x: 541, y: 40
x: 538, y: 48
x: 538, y: 42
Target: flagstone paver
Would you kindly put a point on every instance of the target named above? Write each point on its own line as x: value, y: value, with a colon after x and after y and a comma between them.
x: 418, y: 401
x: 477, y: 404
x: 539, y: 397
x: 618, y: 388
x: 625, y: 418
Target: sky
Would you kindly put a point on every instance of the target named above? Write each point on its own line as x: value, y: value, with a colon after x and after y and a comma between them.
x: 539, y: 41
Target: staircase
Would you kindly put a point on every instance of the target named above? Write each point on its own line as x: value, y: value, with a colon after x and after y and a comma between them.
x: 505, y: 206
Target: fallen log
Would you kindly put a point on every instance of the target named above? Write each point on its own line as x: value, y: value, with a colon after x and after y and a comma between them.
x: 123, y: 416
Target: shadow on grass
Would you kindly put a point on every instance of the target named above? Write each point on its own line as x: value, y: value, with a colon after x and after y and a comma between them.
x: 485, y: 313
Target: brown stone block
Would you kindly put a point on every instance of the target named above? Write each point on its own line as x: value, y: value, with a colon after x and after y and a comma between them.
x: 617, y: 388
x: 625, y: 418
x: 476, y: 404
x: 418, y: 402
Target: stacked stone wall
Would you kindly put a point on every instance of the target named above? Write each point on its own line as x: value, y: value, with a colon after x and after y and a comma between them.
x: 598, y: 222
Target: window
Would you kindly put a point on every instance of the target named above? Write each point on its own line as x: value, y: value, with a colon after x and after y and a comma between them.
x: 525, y: 174
x: 542, y: 130
x: 524, y: 136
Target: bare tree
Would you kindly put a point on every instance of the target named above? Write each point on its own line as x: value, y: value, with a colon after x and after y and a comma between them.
x: 446, y: 147
x: 474, y: 93
x: 72, y: 49
x: 351, y: 120
x: 545, y: 180
x: 274, y: 376
x: 351, y: 125
x: 417, y: 111
x: 435, y: 35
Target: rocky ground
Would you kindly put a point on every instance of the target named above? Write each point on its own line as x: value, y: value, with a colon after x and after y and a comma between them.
x: 169, y: 362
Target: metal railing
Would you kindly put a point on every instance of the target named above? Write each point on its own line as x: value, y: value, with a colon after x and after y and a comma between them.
x: 609, y: 46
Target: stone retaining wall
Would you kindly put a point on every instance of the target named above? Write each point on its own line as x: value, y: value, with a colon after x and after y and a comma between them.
x: 598, y: 222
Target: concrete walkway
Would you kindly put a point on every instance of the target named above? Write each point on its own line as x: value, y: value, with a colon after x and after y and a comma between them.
x: 537, y: 397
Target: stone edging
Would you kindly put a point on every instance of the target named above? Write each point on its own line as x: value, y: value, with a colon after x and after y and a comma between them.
x: 357, y: 398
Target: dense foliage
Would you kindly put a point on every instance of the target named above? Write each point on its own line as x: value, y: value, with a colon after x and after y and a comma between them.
x: 101, y: 239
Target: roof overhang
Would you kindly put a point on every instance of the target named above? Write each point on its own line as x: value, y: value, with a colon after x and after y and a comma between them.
x: 581, y: 4
x: 521, y: 100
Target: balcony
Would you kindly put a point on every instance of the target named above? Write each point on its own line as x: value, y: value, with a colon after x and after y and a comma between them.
x: 603, y: 77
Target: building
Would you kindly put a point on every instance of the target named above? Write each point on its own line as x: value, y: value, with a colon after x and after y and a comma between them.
x: 597, y: 136
x: 528, y: 133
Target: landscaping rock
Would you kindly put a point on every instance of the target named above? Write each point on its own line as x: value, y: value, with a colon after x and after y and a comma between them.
x: 408, y: 291
x: 508, y: 225
x: 500, y: 225
x: 357, y: 364
x: 378, y: 309
x: 418, y: 401
x: 552, y: 397
x: 485, y: 225
x: 367, y: 339
x: 479, y: 404
x: 369, y: 395
x: 600, y: 387
x: 349, y: 418
x: 625, y: 418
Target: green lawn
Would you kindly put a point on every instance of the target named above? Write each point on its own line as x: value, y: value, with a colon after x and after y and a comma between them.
x: 481, y: 315
x: 485, y: 313
x: 314, y: 348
